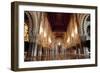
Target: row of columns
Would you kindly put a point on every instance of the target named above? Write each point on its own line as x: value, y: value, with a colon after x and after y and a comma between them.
x: 41, y: 54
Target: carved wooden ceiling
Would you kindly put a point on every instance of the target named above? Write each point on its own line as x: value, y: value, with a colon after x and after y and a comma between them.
x: 58, y: 21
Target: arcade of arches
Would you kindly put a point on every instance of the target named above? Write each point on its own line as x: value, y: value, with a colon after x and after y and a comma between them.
x: 56, y: 36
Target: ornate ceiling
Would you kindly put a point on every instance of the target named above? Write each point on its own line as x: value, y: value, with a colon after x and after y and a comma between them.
x: 59, y: 21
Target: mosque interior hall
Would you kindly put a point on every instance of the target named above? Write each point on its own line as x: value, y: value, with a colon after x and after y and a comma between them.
x: 56, y: 36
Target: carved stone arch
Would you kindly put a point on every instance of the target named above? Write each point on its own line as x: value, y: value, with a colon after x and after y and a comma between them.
x: 36, y: 18
x: 83, y: 26
x: 30, y: 26
x: 87, y: 27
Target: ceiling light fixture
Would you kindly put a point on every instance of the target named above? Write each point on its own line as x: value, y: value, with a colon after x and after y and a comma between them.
x: 76, y: 31
x: 59, y: 43
x: 72, y: 34
x: 49, y: 39
x: 41, y: 29
x: 45, y: 34
x: 68, y: 40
